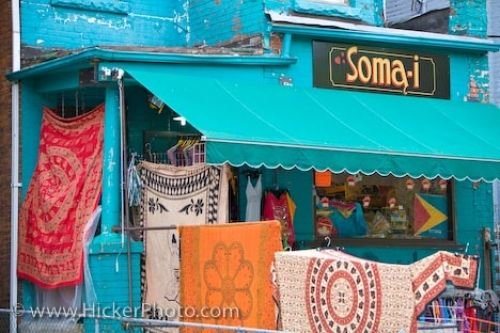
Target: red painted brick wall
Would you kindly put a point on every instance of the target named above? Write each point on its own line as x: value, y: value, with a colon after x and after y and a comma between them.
x: 5, y: 148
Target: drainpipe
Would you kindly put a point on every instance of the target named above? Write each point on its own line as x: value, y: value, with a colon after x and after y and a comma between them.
x: 14, y: 202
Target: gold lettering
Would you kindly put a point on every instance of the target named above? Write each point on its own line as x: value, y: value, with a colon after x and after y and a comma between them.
x: 416, y: 72
x: 354, y: 76
x: 398, y: 75
x: 364, y: 75
x: 381, y: 72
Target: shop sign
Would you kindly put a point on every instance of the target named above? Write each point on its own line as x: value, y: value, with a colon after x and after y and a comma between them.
x: 412, y: 73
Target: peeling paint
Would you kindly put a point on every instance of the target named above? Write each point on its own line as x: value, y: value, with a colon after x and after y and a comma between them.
x: 152, y: 17
x: 117, y: 24
x: 468, y: 18
x: 236, y: 24
x: 109, y: 6
x: 479, y: 80
x: 111, y: 163
x: 66, y: 26
x: 185, y: 7
x: 327, y: 8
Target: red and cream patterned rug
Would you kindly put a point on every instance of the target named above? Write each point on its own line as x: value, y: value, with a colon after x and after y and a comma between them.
x: 331, y: 291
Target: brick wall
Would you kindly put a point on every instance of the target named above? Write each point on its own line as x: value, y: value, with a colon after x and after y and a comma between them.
x: 494, y: 33
x: 72, y: 24
x: 215, y: 22
x: 5, y: 126
x: 468, y: 18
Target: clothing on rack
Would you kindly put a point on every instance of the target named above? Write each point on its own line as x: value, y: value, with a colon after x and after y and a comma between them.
x: 279, y: 205
x: 340, y: 219
x: 234, y: 211
x: 348, y: 219
x: 134, y: 183
x: 185, y: 152
x: 472, y: 310
x: 254, y: 199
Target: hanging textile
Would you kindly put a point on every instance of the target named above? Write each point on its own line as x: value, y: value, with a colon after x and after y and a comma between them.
x: 175, y: 196
x: 69, y: 298
x: 227, y: 268
x: 254, y: 199
x: 331, y: 291
x: 280, y: 206
x: 134, y: 184
x: 63, y: 194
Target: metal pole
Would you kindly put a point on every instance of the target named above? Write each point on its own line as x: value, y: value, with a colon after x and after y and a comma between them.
x: 14, y: 204
x: 124, y: 183
x: 166, y: 227
x: 140, y: 322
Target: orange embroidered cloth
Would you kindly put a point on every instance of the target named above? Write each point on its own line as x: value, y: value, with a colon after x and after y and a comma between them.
x: 226, y: 274
x: 63, y: 193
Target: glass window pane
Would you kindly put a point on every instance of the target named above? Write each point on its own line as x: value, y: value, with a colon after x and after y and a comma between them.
x: 383, y: 207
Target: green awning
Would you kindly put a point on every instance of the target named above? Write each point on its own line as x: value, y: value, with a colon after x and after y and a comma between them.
x: 307, y: 128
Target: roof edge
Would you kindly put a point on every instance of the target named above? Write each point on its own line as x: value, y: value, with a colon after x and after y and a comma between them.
x: 97, y: 54
x: 322, y: 28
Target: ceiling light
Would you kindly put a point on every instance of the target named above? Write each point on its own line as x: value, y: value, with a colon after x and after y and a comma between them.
x: 180, y: 119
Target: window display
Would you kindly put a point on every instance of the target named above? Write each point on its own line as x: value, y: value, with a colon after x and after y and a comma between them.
x: 383, y: 207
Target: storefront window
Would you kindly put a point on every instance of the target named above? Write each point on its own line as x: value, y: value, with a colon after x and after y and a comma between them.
x: 359, y: 206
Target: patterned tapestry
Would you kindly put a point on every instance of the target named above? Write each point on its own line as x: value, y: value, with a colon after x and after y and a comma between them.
x: 173, y: 196
x: 226, y: 274
x: 331, y: 291
x: 63, y: 194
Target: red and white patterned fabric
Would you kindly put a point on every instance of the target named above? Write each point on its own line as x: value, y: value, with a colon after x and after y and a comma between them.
x: 331, y: 291
x: 63, y: 194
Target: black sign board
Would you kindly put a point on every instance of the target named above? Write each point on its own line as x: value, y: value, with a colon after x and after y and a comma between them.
x: 402, y: 72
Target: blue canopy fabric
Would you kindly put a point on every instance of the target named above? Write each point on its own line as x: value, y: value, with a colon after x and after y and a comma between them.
x: 322, y: 129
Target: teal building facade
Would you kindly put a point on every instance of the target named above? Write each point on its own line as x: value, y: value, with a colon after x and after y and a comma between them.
x: 76, y: 51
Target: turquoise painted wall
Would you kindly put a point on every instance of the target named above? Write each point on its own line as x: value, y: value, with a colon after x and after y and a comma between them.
x: 367, y: 11
x: 214, y: 22
x: 31, y: 115
x: 372, y: 11
x: 82, y: 23
x: 73, y: 24
x: 468, y: 18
